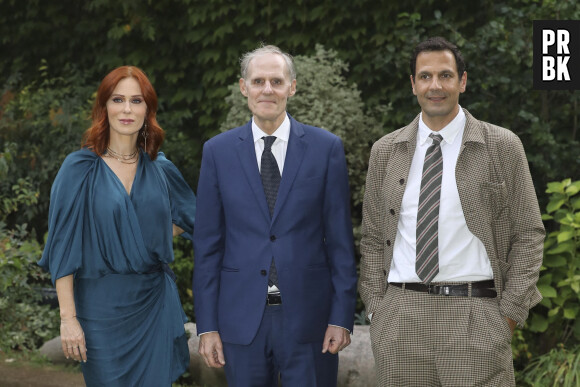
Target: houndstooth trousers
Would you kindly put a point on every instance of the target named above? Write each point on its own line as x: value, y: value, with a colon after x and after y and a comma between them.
x: 422, y: 340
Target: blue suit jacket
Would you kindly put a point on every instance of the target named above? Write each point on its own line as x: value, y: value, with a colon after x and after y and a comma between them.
x: 309, y: 236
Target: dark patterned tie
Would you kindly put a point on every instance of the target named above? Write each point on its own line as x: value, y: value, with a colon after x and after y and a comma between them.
x: 427, y: 263
x: 271, y: 181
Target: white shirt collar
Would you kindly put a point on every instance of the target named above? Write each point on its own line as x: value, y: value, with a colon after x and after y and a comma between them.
x: 449, y: 132
x: 282, y: 133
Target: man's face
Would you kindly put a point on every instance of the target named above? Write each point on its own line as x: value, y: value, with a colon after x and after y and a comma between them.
x: 267, y: 87
x: 437, y: 87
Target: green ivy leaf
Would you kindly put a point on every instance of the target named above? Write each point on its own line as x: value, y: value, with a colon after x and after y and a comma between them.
x: 538, y: 323
x: 555, y: 261
x: 545, y: 279
x: 565, y: 247
x: 554, y: 205
x: 565, y: 236
x: 555, y: 187
x: 573, y: 188
x: 547, y: 291
x: 570, y: 313
x: 547, y: 302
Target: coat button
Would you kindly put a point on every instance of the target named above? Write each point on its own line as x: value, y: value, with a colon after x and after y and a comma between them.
x: 402, y: 181
x: 263, y: 272
x: 272, y: 238
x: 384, y: 272
x: 388, y: 243
x: 392, y: 212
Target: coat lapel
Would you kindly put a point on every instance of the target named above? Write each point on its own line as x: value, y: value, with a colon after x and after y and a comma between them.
x: 472, y: 132
x: 294, y: 156
x: 247, y: 154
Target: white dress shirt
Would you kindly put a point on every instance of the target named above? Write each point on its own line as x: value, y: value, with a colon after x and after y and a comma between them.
x: 279, y: 148
x: 462, y: 256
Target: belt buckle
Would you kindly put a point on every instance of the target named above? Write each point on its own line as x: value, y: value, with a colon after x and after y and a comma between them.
x: 273, y: 295
x: 442, y: 290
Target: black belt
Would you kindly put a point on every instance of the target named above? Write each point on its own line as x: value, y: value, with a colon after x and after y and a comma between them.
x: 273, y: 299
x: 478, y: 289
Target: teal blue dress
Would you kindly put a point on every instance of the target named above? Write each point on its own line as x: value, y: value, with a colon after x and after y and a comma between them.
x: 118, y: 246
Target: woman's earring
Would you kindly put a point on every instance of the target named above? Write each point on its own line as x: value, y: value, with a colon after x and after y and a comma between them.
x: 145, y: 134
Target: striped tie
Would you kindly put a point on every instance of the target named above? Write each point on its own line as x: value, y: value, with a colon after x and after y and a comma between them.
x: 427, y: 263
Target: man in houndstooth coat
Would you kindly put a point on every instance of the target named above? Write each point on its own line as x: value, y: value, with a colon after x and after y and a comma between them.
x: 453, y: 326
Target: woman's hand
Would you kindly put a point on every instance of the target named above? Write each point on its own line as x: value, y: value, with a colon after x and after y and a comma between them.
x: 72, y: 339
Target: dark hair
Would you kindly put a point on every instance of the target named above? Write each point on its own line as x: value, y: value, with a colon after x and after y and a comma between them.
x: 96, y: 138
x: 438, y: 43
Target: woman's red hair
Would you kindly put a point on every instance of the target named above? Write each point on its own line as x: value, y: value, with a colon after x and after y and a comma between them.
x: 96, y: 137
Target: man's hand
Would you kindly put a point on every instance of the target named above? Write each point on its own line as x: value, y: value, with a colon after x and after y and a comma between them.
x: 211, y: 349
x: 512, y: 324
x: 336, y: 339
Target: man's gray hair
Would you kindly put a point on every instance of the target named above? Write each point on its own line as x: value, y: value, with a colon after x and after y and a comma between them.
x: 262, y: 50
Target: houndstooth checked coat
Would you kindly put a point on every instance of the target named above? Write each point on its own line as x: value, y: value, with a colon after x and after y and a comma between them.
x: 498, y: 201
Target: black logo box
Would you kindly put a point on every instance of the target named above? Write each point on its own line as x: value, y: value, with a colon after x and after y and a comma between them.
x: 573, y: 64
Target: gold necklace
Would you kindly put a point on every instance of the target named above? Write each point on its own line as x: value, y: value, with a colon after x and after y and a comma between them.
x: 125, y: 159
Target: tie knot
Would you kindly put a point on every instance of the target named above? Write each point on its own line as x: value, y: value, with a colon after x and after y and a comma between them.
x: 437, y: 138
x: 268, y: 141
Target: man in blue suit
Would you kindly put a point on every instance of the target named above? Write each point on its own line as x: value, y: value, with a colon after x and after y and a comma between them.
x: 275, y: 276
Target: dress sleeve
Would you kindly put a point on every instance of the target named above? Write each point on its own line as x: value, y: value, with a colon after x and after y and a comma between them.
x: 63, y: 252
x: 181, y: 196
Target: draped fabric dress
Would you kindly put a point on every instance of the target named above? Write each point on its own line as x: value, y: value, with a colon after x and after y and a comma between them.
x: 118, y: 246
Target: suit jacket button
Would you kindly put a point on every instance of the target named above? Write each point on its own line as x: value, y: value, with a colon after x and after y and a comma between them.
x: 402, y: 181
x: 392, y: 212
x: 388, y: 243
x: 384, y: 272
x: 272, y: 238
x: 263, y: 272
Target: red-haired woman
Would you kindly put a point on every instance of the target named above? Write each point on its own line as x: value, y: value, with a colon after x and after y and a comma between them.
x: 115, y: 206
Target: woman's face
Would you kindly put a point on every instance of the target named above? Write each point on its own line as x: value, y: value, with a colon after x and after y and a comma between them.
x: 126, y: 108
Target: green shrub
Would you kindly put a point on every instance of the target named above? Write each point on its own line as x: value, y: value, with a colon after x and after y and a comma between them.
x: 25, y: 323
x: 182, y: 266
x: 559, y: 367
x: 40, y: 124
x: 556, y: 316
x: 554, y: 322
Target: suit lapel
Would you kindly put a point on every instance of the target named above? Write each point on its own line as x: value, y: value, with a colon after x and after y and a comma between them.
x: 294, y: 156
x: 247, y: 154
